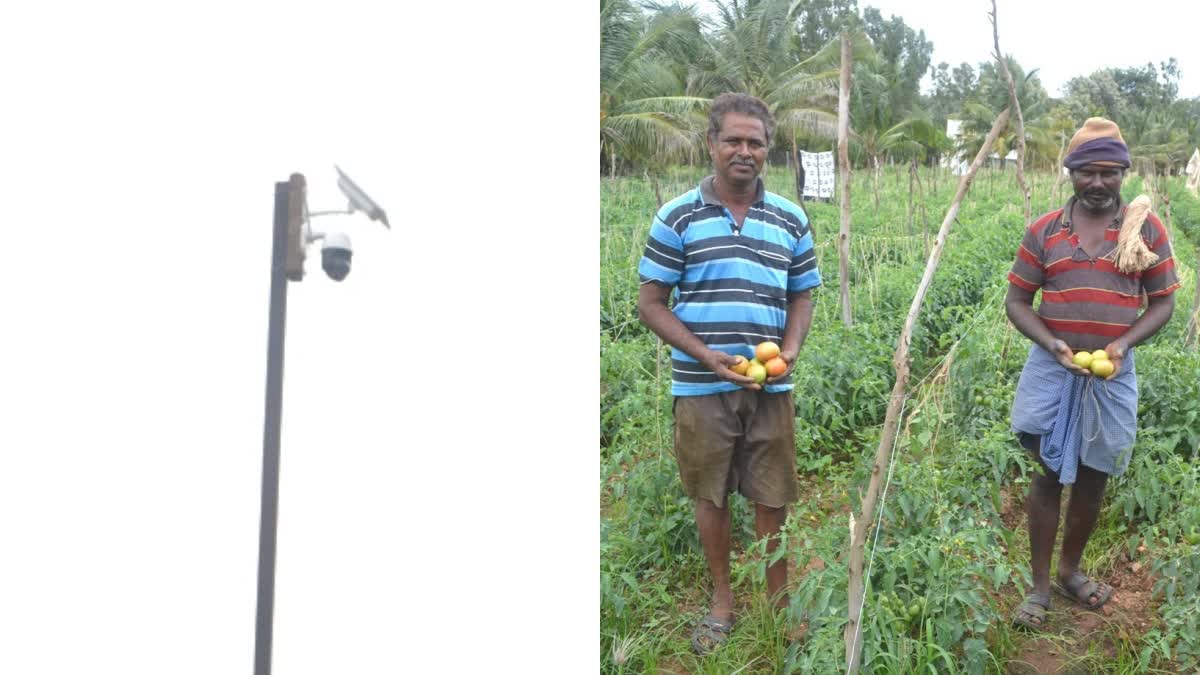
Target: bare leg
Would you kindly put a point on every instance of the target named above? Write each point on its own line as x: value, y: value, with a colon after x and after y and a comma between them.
x: 768, y: 521
x: 1042, y: 505
x: 714, y: 525
x: 1082, y: 510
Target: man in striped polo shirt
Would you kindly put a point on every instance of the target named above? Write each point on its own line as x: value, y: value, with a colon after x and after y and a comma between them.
x: 741, y: 263
x: 1079, y: 426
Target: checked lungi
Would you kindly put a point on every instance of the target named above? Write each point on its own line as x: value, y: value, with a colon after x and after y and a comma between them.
x: 1081, y: 419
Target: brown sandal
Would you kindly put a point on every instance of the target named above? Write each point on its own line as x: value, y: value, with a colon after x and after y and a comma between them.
x: 1032, y: 613
x: 710, y: 634
x: 1081, y: 589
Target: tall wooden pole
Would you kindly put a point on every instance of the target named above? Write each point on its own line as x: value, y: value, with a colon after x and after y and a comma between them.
x: 1016, y: 106
x: 843, y: 147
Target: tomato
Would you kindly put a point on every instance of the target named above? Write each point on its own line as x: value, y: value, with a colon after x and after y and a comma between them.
x: 766, y: 351
x: 757, y: 372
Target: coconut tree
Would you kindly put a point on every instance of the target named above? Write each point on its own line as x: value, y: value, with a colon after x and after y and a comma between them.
x: 1157, y: 140
x: 977, y: 115
x: 880, y: 130
x: 750, y: 51
x: 645, y: 116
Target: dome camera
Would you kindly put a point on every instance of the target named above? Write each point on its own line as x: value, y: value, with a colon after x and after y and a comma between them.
x: 335, y: 255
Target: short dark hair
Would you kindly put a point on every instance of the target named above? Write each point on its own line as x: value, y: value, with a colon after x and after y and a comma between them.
x: 739, y: 103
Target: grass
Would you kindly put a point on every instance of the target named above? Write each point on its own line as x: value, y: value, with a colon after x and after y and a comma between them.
x: 953, y: 538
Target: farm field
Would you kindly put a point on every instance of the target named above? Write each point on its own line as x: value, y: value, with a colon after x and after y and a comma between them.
x: 951, y: 559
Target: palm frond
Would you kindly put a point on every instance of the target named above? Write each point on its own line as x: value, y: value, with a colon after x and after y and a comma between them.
x: 806, y: 122
x: 805, y: 88
x: 674, y: 105
x: 829, y: 57
x: 650, y: 136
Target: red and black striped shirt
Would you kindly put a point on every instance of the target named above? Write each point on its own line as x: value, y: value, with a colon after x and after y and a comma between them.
x: 1086, y: 302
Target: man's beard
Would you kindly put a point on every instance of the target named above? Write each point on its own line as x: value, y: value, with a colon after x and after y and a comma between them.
x: 1098, y: 200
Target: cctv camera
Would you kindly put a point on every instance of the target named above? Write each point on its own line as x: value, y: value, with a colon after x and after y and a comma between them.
x: 335, y: 256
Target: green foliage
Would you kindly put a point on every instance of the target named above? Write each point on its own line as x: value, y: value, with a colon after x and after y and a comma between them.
x: 845, y: 375
x: 906, y: 52
x: 1169, y: 382
x: 1180, y: 583
x: 630, y: 383
x: 951, y: 89
x: 1116, y: 92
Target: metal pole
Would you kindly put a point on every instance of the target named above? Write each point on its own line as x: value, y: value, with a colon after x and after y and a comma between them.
x: 274, y: 412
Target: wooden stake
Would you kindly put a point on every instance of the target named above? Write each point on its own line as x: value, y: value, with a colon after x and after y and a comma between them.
x: 924, y: 197
x: 1013, y: 105
x: 799, y: 172
x: 657, y: 188
x: 891, y: 421
x: 1193, y: 323
x: 658, y: 393
x: 875, y: 184
x: 912, y: 173
x: 1058, y: 172
x: 843, y: 148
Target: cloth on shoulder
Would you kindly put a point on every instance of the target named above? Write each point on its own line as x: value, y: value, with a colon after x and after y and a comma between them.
x: 1082, y: 420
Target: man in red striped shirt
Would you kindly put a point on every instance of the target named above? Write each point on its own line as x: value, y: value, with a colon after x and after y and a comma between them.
x: 1087, y: 304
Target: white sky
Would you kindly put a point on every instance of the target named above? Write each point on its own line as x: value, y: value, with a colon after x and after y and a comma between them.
x: 1048, y: 34
x: 139, y: 148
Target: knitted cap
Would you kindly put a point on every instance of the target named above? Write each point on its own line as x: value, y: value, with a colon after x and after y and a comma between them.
x: 1098, y: 141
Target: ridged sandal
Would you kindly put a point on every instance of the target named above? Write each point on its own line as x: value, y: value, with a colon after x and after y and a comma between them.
x: 710, y: 634
x: 1080, y: 588
x: 1036, y: 606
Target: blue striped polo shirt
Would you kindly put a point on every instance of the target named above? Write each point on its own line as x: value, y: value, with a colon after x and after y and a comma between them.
x: 730, y: 285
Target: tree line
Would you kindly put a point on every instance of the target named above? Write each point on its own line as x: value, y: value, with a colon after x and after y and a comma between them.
x: 661, y: 65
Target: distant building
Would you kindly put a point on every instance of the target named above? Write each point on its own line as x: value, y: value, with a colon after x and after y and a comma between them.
x: 1193, y: 172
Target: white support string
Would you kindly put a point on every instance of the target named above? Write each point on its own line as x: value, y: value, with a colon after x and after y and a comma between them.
x: 878, y: 527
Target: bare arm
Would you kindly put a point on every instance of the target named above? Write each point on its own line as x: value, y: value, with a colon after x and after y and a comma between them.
x: 654, y: 313
x: 799, y: 318
x: 1018, y: 304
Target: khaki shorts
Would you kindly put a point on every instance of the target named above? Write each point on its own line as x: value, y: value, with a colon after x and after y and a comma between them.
x: 737, y: 440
